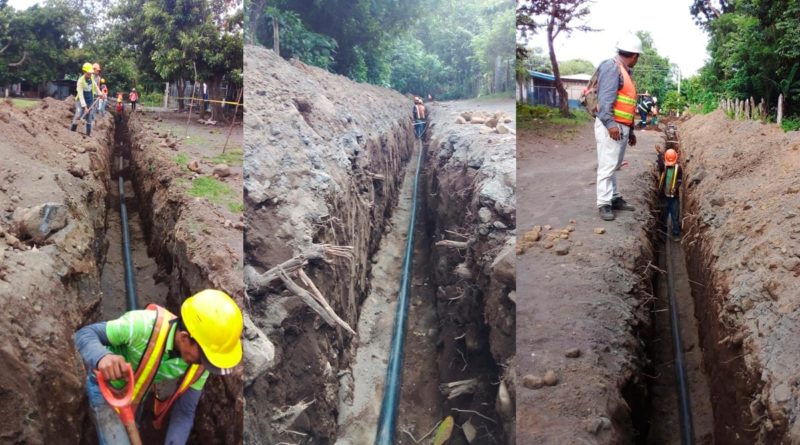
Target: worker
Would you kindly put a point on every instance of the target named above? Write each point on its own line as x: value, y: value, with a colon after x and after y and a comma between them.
x: 204, y: 338
x: 655, y: 111
x: 670, y: 177
x: 644, y: 106
x: 133, y: 97
x: 120, y: 108
x: 102, y: 103
x: 613, y: 126
x: 419, y: 117
x: 84, y: 99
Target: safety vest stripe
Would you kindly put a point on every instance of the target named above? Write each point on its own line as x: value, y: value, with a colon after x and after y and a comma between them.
x: 188, y: 380
x: 625, y: 99
x: 152, y: 363
x: 621, y: 113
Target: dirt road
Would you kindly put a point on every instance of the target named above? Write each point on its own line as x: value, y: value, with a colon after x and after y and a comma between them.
x: 588, y: 296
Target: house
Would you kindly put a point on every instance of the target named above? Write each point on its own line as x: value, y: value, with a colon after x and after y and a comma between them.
x: 541, y: 88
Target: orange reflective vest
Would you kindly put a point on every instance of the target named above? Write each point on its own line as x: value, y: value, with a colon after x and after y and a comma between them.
x: 420, y: 111
x: 151, y: 360
x: 625, y: 105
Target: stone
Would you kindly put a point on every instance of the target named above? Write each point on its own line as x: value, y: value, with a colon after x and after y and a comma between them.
x: 40, y: 221
x: 222, y: 170
x: 531, y: 381
x: 599, y: 230
x: 466, y: 116
x: 476, y: 120
x: 562, y: 248
x: 491, y: 122
x: 550, y: 378
x: 259, y: 352
x: 78, y: 172
x: 503, y: 129
x: 194, y: 166
x: 504, y: 265
x: 791, y: 263
x: 572, y: 353
x: 548, y: 245
x: 782, y: 393
x: 485, y: 215
x: 461, y: 120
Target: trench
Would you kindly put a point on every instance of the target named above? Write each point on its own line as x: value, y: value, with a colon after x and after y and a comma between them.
x: 436, y: 351
x: 153, y: 269
x: 713, y: 370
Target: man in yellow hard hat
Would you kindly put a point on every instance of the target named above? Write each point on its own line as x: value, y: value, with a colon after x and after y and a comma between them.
x: 87, y: 91
x: 160, y: 348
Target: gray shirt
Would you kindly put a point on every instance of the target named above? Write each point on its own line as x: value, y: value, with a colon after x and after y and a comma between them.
x: 609, y: 81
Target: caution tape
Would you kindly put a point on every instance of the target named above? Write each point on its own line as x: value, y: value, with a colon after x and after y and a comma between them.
x: 200, y: 99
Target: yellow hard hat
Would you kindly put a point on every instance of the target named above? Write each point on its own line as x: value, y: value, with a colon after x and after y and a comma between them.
x: 87, y: 67
x: 214, y: 320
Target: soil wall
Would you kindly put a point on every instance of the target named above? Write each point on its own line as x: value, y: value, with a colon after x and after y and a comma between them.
x: 323, y: 157
x: 741, y: 233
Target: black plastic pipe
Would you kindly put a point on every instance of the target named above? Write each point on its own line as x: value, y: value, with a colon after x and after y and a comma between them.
x: 130, y: 281
x: 684, y: 401
x: 387, y: 422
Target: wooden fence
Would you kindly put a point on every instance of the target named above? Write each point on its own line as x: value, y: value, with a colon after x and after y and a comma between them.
x: 748, y: 109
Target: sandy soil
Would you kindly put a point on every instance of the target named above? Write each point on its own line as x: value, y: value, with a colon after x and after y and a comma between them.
x: 589, y: 297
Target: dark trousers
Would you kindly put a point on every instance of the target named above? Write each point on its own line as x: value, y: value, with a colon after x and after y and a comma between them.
x: 643, y: 115
x: 419, y: 127
x: 671, y: 212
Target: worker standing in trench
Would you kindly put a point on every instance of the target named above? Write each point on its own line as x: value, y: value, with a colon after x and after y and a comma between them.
x: 161, y: 348
x: 670, y: 177
x: 419, y: 117
x: 613, y: 126
x: 84, y: 99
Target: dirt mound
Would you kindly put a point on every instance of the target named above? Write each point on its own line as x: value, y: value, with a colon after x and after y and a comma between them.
x: 48, y: 288
x: 324, y: 158
x: 744, y: 257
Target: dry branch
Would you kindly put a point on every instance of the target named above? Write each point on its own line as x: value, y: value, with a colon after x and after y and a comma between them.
x: 324, y: 311
x: 255, y: 281
x: 458, y: 387
x: 322, y: 301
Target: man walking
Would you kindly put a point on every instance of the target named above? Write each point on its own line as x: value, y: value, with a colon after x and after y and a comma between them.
x: 613, y: 126
x: 161, y: 347
x: 419, y: 117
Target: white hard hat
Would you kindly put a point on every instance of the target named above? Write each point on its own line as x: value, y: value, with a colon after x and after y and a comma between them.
x: 630, y: 44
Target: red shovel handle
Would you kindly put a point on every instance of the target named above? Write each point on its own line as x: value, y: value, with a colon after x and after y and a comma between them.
x: 117, y: 399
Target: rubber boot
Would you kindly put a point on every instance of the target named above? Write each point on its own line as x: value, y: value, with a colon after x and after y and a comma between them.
x: 88, y: 129
x: 73, y: 127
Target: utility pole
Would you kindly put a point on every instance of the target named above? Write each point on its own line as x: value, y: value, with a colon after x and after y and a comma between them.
x: 679, y: 80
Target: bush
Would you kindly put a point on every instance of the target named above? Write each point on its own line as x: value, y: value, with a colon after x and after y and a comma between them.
x: 791, y: 124
x: 152, y: 99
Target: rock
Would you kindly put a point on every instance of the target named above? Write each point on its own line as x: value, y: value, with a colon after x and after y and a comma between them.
x: 477, y: 120
x: 77, y: 172
x: 222, y: 170
x: 40, y: 221
x: 499, y: 226
x: 485, y: 215
x: 503, y: 129
x: 547, y: 227
x: 503, y: 403
x: 599, y: 230
x: 461, y: 120
x: 259, y: 352
x: 194, y: 166
x: 548, y: 245
x: 462, y: 270
x: 561, y: 248
x: 791, y: 263
x: 782, y: 393
x: 12, y: 241
x: 491, y: 122
x: 531, y: 381
x: 569, y: 228
x: 572, y: 353
x: 466, y: 116
x: 718, y: 202
x: 550, y: 378
x: 504, y: 265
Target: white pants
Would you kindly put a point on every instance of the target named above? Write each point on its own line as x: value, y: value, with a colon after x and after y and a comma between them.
x: 609, y: 159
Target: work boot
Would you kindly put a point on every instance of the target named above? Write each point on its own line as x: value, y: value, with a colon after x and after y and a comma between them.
x: 606, y: 213
x: 88, y: 130
x: 621, y: 204
x: 676, y: 238
x: 73, y: 127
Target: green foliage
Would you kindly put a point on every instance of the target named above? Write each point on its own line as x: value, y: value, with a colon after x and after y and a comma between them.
x: 541, y: 117
x: 790, y: 124
x: 236, y: 207
x: 653, y: 72
x: 416, y: 69
x: 151, y: 99
x: 215, y: 191
x: 181, y: 159
x: 231, y: 157
x: 576, y: 66
x: 296, y: 39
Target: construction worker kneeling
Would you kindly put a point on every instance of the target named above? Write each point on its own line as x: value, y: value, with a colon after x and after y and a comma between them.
x: 88, y: 92
x: 161, y: 348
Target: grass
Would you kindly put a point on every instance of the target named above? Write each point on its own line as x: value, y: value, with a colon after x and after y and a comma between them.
x: 24, y: 103
x: 543, y: 119
x: 216, y: 192
x: 196, y: 140
x: 500, y: 95
x: 181, y: 160
x: 236, y: 207
x: 790, y: 124
x: 230, y: 157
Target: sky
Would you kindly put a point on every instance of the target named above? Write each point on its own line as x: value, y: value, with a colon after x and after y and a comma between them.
x: 22, y: 4
x: 674, y: 32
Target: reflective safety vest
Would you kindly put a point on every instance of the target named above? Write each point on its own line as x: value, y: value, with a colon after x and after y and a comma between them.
x: 625, y: 105
x: 420, y: 111
x: 148, y: 367
x: 670, y: 177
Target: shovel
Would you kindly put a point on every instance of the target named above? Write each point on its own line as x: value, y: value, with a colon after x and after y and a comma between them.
x: 122, y: 404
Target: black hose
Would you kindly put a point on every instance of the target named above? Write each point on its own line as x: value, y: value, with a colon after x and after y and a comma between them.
x: 684, y: 401
x: 387, y: 422
x: 130, y: 282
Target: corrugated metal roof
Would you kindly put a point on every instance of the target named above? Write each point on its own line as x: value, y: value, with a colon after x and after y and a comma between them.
x: 541, y: 75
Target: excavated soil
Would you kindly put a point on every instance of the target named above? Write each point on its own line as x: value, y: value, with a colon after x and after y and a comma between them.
x: 744, y: 258
x: 56, y: 280
x: 584, y: 286
x: 324, y: 159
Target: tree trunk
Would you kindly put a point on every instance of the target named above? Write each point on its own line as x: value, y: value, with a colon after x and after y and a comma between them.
x: 276, y: 41
x: 780, y: 108
x: 181, y: 87
x: 214, y: 94
x: 562, y: 92
x: 256, y: 10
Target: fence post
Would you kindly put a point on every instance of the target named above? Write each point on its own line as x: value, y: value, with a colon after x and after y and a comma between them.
x: 780, y: 108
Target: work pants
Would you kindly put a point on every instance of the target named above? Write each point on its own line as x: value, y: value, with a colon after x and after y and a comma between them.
x: 672, y: 212
x: 79, y: 113
x: 419, y: 127
x: 610, y: 154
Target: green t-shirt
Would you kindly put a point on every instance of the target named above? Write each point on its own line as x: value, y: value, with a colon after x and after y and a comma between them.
x: 129, y: 335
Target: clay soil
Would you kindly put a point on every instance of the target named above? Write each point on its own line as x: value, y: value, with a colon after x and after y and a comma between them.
x: 590, y: 297
x: 743, y: 249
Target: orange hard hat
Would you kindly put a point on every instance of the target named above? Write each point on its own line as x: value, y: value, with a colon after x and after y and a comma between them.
x: 670, y: 157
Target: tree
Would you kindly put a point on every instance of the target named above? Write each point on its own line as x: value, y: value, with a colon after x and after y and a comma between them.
x: 558, y: 16
x: 653, y: 72
x: 576, y: 66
